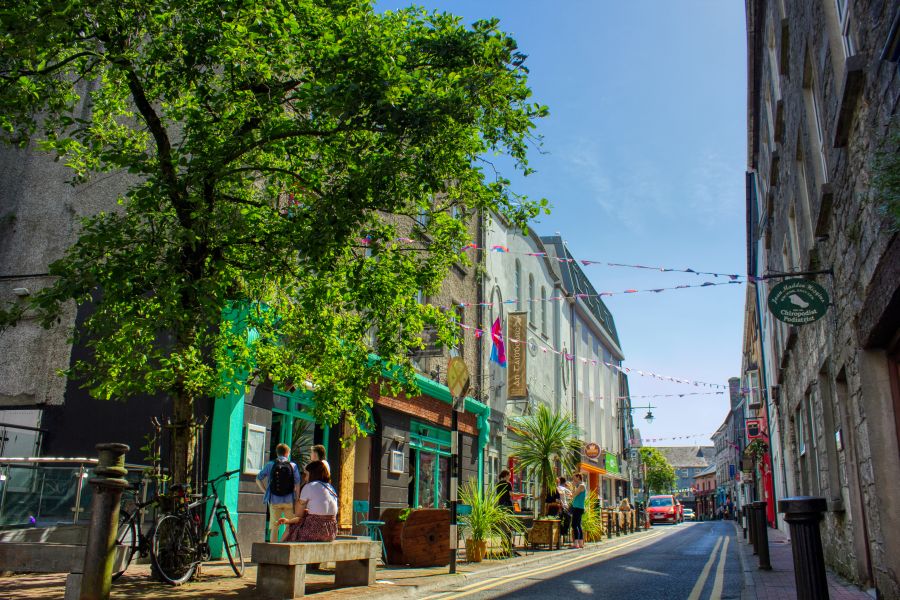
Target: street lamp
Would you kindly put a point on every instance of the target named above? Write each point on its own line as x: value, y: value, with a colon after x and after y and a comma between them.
x: 648, y: 417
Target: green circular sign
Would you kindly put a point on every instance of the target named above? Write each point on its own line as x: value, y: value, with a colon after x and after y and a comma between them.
x: 798, y: 301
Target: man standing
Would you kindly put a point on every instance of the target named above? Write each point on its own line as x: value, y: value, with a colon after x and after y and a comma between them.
x: 282, y: 485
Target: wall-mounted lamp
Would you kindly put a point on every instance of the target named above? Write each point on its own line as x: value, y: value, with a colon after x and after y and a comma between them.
x: 21, y: 292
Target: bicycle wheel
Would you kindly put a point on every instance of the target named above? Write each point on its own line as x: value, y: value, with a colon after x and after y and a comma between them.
x: 126, y: 536
x: 174, y: 549
x: 231, y: 544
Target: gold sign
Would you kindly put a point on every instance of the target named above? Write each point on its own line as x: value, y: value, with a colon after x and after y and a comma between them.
x: 516, y: 335
x: 592, y: 450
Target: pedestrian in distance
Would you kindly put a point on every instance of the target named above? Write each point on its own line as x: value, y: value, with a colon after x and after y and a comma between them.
x: 317, y: 452
x: 565, y: 517
x: 504, y: 490
x: 280, y: 480
x: 579, y: 493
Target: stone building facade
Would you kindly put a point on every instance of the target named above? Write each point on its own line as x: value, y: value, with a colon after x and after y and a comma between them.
x: 823, y: 90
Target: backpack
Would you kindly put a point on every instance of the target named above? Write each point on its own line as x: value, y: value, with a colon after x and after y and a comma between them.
x: 282, y: 481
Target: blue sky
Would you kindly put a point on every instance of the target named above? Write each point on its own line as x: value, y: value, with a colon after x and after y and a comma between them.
x: 645, y: 155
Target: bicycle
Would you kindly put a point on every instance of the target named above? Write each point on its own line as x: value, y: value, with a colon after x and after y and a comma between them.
x: 181, y: 540
x: 131, y: 531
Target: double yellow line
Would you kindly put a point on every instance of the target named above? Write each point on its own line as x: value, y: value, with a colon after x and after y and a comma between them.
x: 716, y: 593
x: 474, y: 588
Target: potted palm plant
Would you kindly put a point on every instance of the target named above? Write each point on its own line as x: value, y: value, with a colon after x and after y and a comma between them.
x: 545, y: 438
x: 485, y: 520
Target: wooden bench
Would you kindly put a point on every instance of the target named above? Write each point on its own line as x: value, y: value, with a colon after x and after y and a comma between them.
x: 282, y: 566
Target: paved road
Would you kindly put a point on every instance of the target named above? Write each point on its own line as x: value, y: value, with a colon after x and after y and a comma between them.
x: 691, y: 561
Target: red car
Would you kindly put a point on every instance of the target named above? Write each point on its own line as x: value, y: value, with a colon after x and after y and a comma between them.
x: 663, y: 509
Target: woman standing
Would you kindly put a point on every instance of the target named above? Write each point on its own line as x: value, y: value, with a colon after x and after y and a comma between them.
x: 577, y: 509
x: 315, y: 510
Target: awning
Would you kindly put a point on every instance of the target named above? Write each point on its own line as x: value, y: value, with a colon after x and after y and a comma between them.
x: 591, y: 468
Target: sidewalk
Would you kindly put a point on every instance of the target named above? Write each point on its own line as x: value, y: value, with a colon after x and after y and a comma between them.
x: 218, y: 581
x: 778, y: 584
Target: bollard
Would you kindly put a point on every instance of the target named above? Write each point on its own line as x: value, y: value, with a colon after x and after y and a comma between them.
x: 743, y: 516
x: 108, y: 482
x: 762, y: 534
x: 618, y: 525
x: 609, y: 531
x: 803, y: 514
x: 751, y: 529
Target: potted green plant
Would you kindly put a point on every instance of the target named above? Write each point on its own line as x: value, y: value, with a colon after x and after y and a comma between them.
x: 756, y: 449
x: 544, y: 439
x: 486, y: 520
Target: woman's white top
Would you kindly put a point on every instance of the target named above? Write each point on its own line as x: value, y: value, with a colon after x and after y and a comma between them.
x: 320, y: 497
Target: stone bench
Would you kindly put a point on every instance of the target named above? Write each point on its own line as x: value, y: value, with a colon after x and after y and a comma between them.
x: 282, y: 566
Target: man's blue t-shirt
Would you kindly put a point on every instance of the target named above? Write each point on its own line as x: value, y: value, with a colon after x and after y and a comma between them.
x: 269, y: 497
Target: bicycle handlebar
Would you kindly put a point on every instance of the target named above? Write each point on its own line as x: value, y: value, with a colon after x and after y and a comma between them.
x: 225, y: 475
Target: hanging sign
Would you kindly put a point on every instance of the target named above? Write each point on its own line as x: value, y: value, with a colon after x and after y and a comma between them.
x: 457, y: 380
x: 798, y: 301
x: 517, y: 333
x: 592, y: 450
x: 754, y: 428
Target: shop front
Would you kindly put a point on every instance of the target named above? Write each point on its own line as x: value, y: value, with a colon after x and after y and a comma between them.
x: 411, y: 448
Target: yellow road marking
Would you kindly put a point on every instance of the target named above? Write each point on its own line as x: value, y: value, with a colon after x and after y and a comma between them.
x: 486, y: 585
x: 704, y: 574
x: 720, y: 573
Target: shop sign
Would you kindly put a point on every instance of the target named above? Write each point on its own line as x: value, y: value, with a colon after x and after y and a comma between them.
x: 612, y: 463
x: 516, y: 333
x: 592, y: 451
x: 754, y: 429
x: 798, y: 301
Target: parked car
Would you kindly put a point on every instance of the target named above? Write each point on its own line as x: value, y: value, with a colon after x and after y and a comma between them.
x: 689, y: 514
x: 663, y: 509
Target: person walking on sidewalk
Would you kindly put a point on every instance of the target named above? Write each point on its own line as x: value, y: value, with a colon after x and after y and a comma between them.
x: 281, y: 487
x: 577, y: 509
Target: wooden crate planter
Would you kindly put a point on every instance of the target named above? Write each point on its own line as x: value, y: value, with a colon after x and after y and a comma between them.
x: 419, y: 540
x: 544, y: 531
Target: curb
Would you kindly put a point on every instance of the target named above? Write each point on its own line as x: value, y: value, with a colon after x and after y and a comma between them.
x: 749, y: 590
x: 443, y: 579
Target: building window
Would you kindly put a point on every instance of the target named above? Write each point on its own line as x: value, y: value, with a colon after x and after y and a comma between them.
x: 814, y: 119
x: 544, y: 310
x: 531, y: 300
x: 803, y: 186
x: 845, y: 17
x: 793, y: 237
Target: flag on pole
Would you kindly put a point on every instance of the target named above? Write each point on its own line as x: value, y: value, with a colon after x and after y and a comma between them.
x: 498, y: 352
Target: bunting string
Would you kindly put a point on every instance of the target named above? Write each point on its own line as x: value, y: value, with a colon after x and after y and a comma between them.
x: 665, y: 439
x: 367, y: 241
x: 584, y: 296
x: 545, y: 347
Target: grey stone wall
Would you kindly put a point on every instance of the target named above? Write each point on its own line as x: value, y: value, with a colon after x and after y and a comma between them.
x: 833, y: 373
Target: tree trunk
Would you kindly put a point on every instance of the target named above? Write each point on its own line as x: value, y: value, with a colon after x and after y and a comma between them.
x: 184, y: 436
x: 345, y: 489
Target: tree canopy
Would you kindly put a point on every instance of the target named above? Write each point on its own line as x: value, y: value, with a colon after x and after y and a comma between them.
x: 659, y: 475
x: 277, y: 155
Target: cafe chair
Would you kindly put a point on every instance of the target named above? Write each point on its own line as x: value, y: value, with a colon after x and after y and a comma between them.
x: 373, y: 528
x: 462, y: 510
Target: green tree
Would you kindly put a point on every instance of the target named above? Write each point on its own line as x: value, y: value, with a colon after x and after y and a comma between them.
x: 543, y: 440
x: 273, y: 152
x: 659, y: 475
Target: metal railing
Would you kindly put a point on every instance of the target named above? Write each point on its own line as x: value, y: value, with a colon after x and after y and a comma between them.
x: 40, y: 492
